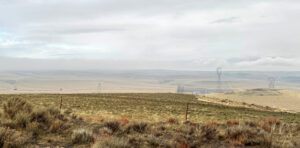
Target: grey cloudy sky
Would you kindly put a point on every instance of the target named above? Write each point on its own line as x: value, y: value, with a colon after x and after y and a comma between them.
x: 152, y: 34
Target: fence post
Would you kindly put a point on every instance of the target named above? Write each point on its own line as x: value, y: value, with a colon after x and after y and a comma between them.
x: 187, y: 112
x: 61, y: 101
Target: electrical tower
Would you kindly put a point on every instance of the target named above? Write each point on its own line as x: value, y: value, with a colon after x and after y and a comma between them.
x: 99, y: 87
x: 14, y: 83
x: 180, y: 89
x: 219, y: 74
x: 272, y: 82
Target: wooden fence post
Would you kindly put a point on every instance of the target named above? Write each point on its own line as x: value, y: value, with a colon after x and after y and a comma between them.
x: 187, y: 112
x: 61, y: 101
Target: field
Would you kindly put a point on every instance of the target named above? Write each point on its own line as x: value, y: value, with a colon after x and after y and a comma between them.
x: 288, y: 100
x: 140, y: 81
x: 110, y: 115
x: 150, y: 107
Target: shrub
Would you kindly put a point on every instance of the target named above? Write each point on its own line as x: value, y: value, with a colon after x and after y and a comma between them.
x: 12, y: 139
x: 172, y: 121
x: 252, y: 123
x: 244, y: 135
x: 209, y: 131
x: 55, y: 126
x: 14, y: 106
x: 112, y: 142
x: 272, y: 121
x: 153, y: 141
x: 124, y: 120
x: 139, y: 127
x: 41, y: 116
x: 33, y: 127
x: 18, y: 114
x: 114, y: 126
x: 21, y: 120
x: 232, y: 122
x: 82, y: 136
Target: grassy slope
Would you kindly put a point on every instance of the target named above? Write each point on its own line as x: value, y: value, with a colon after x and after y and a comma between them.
x: 149, y: 107
x: 283, y: 99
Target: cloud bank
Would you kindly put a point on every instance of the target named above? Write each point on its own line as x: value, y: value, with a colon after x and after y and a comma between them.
x: 162, y: 34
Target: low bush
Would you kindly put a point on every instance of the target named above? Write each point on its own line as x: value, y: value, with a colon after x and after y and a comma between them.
x: 12, y: 139
x: 112, y: 142
x: 14, y: 106
x: 209, y: 131
x: 82, y: 136
x: 245, y: 135
x: 114, y: 126
x: 139, y: 127
x: 172, y: 121
x: 19, y: 114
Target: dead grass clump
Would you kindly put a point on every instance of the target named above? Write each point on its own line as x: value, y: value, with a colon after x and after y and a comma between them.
x: 33, y: 127
x: 55, y: 126
x: 184, y: 145
x: 114, y: 126
x: 12, y: 139
x: 112, y: 142
x: 153, y: 141
x: 297, y: 129
x: 245, y: 135
x: 20, y: 121
x: 123, y: 120
x: 273, y: 121
x: 16, y: 113
x: 232, y: 122
x: 34, y: 120
x: 41, y: 116
x: 172, y: 121
x: 209, y: 131
x: 270, y: 123
x: 82, y: 136
x: 14, y: 106
x: 139, y: 127
x: 252, y: 123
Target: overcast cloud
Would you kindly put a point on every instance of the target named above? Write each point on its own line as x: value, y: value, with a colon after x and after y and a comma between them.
x: 152, y: 34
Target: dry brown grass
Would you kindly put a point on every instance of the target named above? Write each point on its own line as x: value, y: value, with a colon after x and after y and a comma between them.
x: 232, y: 122
x: 46, y: 126
x: 173, y: 121
x: 124, y: 120
x: 82, y: 136
x: 10, y: 138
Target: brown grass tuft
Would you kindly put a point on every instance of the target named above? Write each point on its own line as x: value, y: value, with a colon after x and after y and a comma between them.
x: 209, y: 131
x: 172, y: 121
x: 232, y: 122
x: 124, y: 120
x: 82, y: 136
x: 114, y: 126
x: 272, y: 121
x: 10, y: 138
x: 14, y: 106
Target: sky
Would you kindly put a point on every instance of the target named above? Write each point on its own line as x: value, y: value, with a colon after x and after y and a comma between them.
x: 149, y: 34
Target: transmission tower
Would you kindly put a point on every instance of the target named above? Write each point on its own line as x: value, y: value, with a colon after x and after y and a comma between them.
x: 99, y: 87
x: 219, y: 74
x: 180, y: 89
x: 272, y: 82
x: 15, y: 88
x: 14, y: 83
